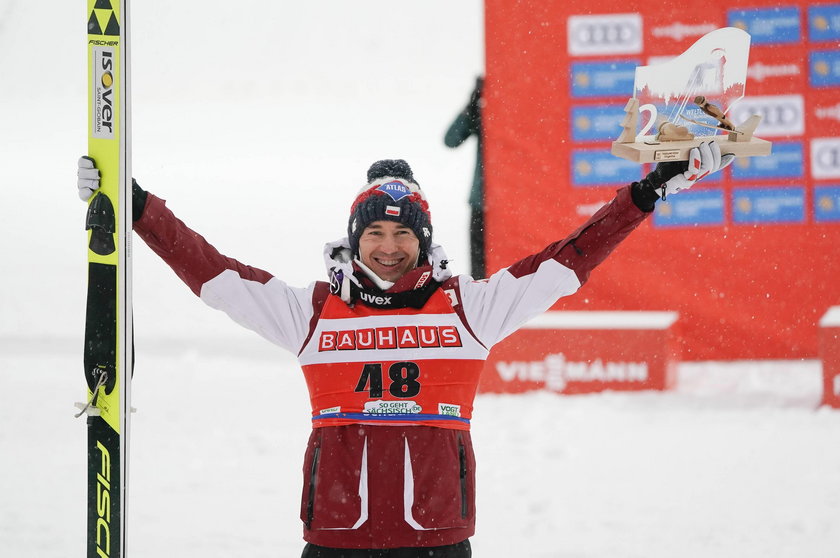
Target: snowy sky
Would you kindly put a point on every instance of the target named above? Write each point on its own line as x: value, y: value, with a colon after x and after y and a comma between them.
x: 257, y: 124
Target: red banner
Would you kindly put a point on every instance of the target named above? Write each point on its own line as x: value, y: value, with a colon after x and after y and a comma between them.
x: 585, y: 352
x: 749, y: 258
x: 830, y: 356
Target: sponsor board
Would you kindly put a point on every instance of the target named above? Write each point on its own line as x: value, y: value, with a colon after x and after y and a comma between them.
x: 760, y: 72
x: 597, y: 123
x: 600, y: 168
x: 786, y: 161
x: 768, y: 26
x: 768, y: 205
x: 827, y: 204
x: 596, y: 35
x: 677, y: 30
x: 603, y: 79
x: 781, y: 115
x: 780, y: 65
x: 827, y: 112
x: 824, y: 68
x: 825, y: 158
x: 823, y: 113
x: 691, y: 208
x: 556, y: 372
x: 824, y: 23
x: 777, y: 71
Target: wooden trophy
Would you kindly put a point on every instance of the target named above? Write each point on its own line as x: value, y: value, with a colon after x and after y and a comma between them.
x: 688, y: 97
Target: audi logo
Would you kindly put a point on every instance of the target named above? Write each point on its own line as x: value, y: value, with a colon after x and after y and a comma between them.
x: 780, y: 114
x: 604, y: 34
x: 601, y: 34
x: 828, y: 156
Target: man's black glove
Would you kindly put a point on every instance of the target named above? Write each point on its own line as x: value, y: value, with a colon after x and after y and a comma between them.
x: 673, y: 176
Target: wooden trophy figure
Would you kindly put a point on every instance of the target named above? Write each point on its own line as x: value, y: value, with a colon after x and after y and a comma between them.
x: 686, y: 101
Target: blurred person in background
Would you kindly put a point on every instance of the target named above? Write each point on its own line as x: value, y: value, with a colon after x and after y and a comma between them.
x: 466, y: 124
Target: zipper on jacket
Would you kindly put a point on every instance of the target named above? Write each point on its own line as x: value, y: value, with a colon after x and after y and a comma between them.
x: 310, y: 504
x: 462, y: 455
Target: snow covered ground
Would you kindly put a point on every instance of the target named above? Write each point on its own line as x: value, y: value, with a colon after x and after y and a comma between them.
x: 257, y: 123
x: 738, y: 462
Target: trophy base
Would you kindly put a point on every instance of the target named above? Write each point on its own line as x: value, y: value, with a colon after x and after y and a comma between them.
x: 651, y: 151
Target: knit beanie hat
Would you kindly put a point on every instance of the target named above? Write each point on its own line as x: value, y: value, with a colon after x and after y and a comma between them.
x: 391, y: 194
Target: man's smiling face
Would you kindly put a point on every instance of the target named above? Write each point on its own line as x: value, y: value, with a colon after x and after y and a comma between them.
x: 389, y: 249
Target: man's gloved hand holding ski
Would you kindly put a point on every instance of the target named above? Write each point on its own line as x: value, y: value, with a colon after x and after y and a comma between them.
x: 674, y: 176
x: 88, y: 184
x: 88, y: 181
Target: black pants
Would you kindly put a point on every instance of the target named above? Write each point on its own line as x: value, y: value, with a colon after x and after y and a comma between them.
x: 478, y: 270
x: 459, y: 550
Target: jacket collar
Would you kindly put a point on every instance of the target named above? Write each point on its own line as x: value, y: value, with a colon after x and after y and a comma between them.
x: 349, y: 278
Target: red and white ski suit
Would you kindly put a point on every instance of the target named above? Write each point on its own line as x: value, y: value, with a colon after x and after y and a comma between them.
x: 390, y: 461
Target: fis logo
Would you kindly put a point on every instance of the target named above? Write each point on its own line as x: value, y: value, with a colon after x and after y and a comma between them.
x: 824, y: 68
x: 768, y: 205
x: 104, y: 60
x: 827, y: 205
x: 768, y: 26
x: 602, y: 79
x: 599, y: 168
x: 406, y: 337
x: 788, y: 161
x: 691, y: 209
x: 596, y: 123
x: 824, y: 23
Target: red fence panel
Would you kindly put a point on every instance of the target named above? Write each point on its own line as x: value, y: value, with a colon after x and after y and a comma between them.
x: 586, y: 352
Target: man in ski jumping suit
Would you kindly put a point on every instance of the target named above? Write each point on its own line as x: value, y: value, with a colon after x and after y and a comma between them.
x: 392, y: 348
